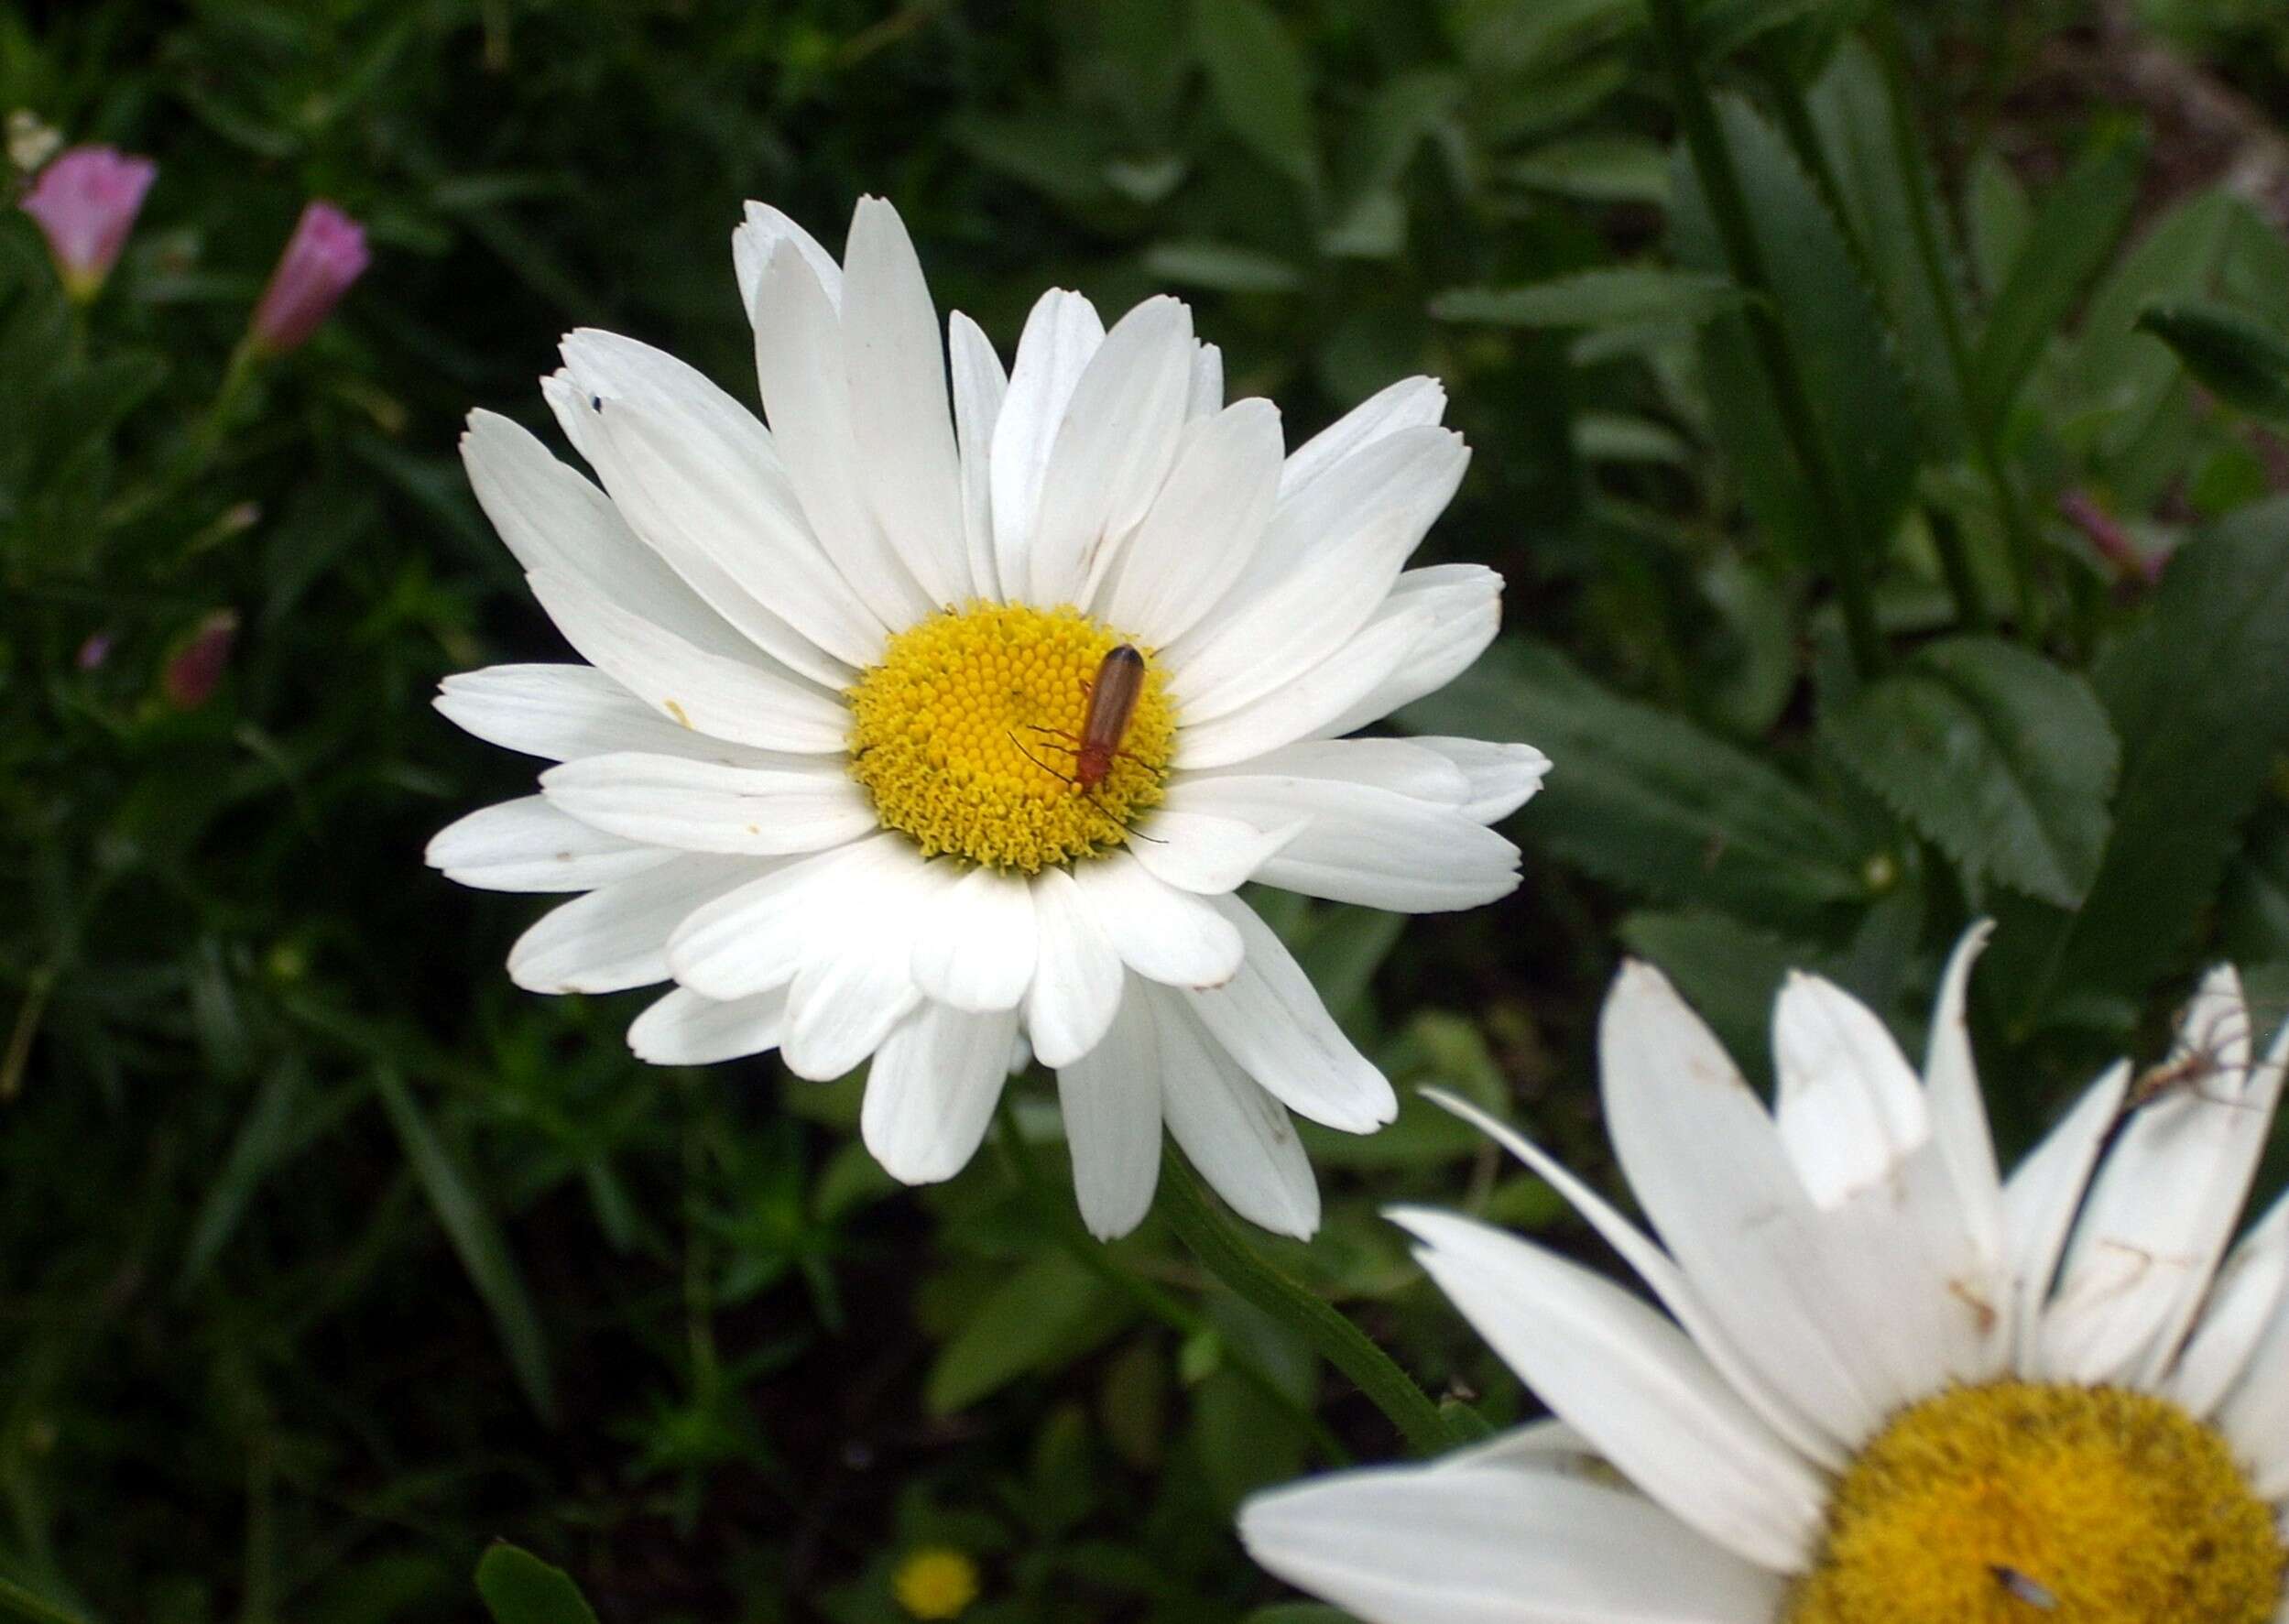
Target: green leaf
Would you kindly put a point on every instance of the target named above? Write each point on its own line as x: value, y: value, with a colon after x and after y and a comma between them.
x: 518, y: 1587
x: 1623, y: 296
x: 16, y: 1602
x: 1222, y: 267
x: 1999, y: 216
x: 1851, y: 106
x: 1647, y: 799
x: 1723, y: 26
x: 476, y: 1240
x: 2071, y: 239
x: 2198, y: 693
x: 2000, y: 759
x: 1262, y: 84
x: 1298, y: 1612
x: 1852, y: 377
x: 2240, y: 360
x: 1050, y: 1311
x: 1600, y: 168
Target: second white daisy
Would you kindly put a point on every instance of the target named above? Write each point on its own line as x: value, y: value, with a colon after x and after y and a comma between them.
x: 820, y: 769
x: 1890, y: 1387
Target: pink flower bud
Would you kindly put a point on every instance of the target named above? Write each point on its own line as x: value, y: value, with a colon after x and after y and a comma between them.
x: 324, y: 256
x: 86, y: 203
x: 195, y: 670
x: 94, y: 652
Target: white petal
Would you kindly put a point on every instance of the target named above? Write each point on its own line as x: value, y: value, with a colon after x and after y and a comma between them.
x: 1113, y: 449
x: 2163, y: 1206
x: 757, y: 937
x: 898, y: 401
x: 731, y: 527
x: 1493, y: 1543
x: 1162, y: 933
x: 1205, y: 397
x: 705, y: 806
x: 1667, y: 1283
x: 856, y: 981
x: 1061, y: 335
x: 566, y: 712
x: 1464, y: 604
x: 701, y: 482
x: 686, y: 1030
x: 764, y: 230
x: 799, y: 352
x: 1111, y: 1101
x: 552, y: 519
x: 1307, y: 702
x: 2249, y: 1290
x: 1362, y: 844
x: 1411, y: 403
x: 931, y: 1089
x: 718, y: 696
x: 528, y: 845
x: 1205, y: 855
x: 1502, y: 777
x: 616, y: 936
x: 979, y: 385
x: 1237, y: 1136
x: 1269, y: 1019
x: 1849, y: 1109
x: 2041, y: 1199
x: 1076, y: 989
x: 1357, y: 525
x: 976, y: 944
x: 1958, y: 1111
x: 2254, y: 1414
x: 1706, y: 1163
x: 1401, y: 765
x: 1203, y: 528
x: 1633, y: 1384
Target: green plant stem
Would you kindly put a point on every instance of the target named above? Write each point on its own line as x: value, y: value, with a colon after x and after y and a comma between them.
x: 1171, y: 1310
x: 1228, y: 1257
x: 1713, y: 162
x: 1986, y: 450
x: 1955, y: 563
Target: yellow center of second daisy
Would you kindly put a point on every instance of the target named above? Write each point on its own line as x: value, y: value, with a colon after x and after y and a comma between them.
x: 967, y: 733
x: 2044, y: 1503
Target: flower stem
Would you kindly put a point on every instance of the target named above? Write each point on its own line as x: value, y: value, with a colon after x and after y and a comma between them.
x: 1713, y: 162
x: 1171, y: 1310
x: 1915, y: 181
x: 1222, y: 1250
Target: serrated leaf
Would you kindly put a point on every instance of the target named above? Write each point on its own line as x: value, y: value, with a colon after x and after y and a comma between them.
x: 1854, y: 385
x: 1047, y: 1312
x: 1647, y: 799
x: 2198, y: 693
x: 1262, y: 84
x: 518, y: 1587
x: 2000, y: 759
x: 1622, y: 296
x: 2236, y: 357
x: 2072, y: 237
x: 1851, y: 106
x: 476, y: 1240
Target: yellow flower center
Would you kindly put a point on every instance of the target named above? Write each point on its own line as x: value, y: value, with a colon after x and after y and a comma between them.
x: 967, y: 736
x: 936, y: 1583
x: 2033, y: 1503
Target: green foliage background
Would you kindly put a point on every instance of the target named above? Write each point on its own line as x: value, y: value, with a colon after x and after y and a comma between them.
x: 327, y: 1257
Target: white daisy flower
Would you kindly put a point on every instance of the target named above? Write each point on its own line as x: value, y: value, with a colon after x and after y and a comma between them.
x: 1890, y: 1387
x: 834, y: 768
